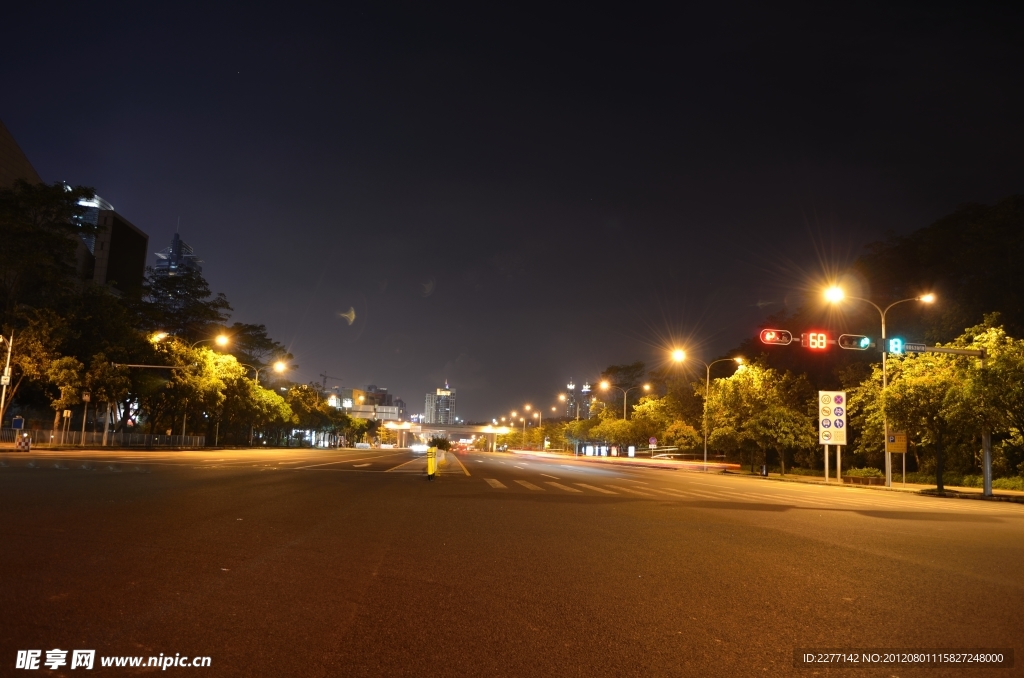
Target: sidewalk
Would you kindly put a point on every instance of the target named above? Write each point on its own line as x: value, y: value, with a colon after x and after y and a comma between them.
x: 734, y: 469
x: 911, y: 488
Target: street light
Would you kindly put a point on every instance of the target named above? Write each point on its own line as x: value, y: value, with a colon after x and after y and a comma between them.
x: 679, y: 356
x: 834, y: 295
x: 605, y: 386
x: 277, y: 367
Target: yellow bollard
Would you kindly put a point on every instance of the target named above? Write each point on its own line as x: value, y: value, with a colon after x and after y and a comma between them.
x: 431, y: 463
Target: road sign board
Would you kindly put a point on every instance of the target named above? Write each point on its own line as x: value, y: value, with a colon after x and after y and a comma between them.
x: 832, y: 417
x: 5, y: 380
x: 914, y: 348
x: 653, y: 441
x: 896, y: 442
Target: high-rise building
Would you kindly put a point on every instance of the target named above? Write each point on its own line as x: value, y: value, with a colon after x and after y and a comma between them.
x: 439, y: 407
x: 115, y: 255
x: 14, y: 165
x: 176, y: 259
x: 571, y: 406
x: 584, y: 401
x: 119, y: 249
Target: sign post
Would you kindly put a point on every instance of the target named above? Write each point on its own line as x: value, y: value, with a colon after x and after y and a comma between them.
x: 831, y: 423
x: 896, y: 441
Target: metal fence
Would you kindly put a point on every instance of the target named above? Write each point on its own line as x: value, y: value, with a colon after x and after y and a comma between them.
x: 74, y: 439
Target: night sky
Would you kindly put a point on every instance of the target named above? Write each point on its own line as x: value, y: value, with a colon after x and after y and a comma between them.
x: 515, y: 198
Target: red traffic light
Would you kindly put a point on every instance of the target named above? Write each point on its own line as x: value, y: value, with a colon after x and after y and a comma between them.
x: 817, y: 341
x: 780, y: 337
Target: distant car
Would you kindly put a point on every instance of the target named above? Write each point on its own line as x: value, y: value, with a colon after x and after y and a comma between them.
x: 419, y: 447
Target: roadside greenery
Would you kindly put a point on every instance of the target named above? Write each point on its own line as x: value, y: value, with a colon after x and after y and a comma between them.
x: 72, y: 336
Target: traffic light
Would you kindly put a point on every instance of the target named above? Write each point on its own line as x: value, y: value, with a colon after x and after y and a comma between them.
x: 780, y: 337
x: 896, y: 346
x: 854, y: 342
x: 817, y: 341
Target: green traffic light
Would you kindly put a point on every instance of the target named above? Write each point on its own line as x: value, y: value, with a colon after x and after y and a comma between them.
x: 865, y: 342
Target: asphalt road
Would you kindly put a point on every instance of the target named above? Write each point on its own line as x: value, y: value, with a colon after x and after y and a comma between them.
x: 350, y: 563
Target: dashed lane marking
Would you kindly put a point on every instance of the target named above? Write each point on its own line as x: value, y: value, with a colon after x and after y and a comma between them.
x: 595, y: 489
x: 495, y: 484
x: 632, y: 491
x: 359, y: 465
x: 530, y: 486
x: 564, y: 487
x: 547, y: 476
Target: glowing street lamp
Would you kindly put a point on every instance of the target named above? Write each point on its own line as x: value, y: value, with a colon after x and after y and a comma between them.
x: 834, y: 295
x: 221, y: 340
x: 678, y: 355
x: 605, y: 385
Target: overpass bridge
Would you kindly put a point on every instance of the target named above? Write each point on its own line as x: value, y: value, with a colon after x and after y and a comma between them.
x: 409, y: 431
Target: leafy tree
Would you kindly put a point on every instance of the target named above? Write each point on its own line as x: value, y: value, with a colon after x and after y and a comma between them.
x: 915, y: 400
x: 182, y: 304
x: 757, y: 410
x: 40, y: 225
x: 253, y: 345
x: 65, y: 376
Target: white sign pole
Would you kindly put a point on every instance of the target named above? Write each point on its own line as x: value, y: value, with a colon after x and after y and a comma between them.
x: 826, y: 463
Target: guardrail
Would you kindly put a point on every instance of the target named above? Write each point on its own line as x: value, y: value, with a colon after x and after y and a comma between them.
x: 74, y: 439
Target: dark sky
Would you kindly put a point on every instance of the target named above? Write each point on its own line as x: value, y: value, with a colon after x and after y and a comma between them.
x: 510, y: 198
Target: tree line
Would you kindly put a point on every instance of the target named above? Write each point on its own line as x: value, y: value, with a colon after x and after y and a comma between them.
x: 765, y: 412
x: 73, y: 337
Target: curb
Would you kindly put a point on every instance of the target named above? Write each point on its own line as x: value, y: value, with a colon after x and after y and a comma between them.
x: 948, y: 494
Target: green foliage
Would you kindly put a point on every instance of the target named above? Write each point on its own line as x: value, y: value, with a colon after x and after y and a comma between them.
x: 440, y: 443
x: 39, y: 225
x: 758, y: 410
x: 183, y: 305
x: 868, y: 472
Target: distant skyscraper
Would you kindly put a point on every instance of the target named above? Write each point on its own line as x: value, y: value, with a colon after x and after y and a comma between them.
x: 176, y: 259
x: 439, y: 407
x: 584, y: 401
x: 571, y: 406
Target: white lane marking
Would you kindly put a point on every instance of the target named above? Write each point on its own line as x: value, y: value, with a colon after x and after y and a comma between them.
x: 595, y: 489
x: 519, y: 467
x: 359, y: 465
x: 564, y: 487
x: 632, y: 491
x: 529, y: 485
x: 495, y: 484
x: 671, y: 493
x: 547, y: 476
x: 479, y: 461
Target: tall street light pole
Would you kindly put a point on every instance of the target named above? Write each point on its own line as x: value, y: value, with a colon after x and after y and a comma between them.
x: 679, y: 356
x: 6, y: 374
x: 835, y: 295
x: 605, y: 386
x: 278, y: 367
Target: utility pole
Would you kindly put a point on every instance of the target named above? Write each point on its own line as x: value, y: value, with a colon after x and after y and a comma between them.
x: 6, y: 377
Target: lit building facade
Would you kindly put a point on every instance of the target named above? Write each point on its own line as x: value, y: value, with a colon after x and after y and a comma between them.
x: 176, y: 259
x: 439, y: 407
